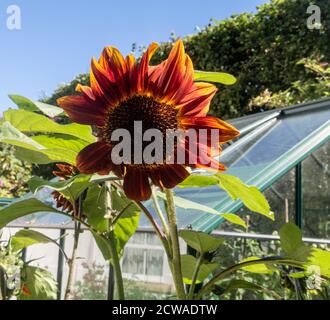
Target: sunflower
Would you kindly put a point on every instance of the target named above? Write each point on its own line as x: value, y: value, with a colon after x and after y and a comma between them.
x: 163, y: 97
x: 64, y: 172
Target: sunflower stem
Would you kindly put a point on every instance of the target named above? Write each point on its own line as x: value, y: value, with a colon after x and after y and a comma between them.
x: 113, y: 251
x: 159, y: 210
x: 176, y: 257
x: 195, y: 276
x: 72, y: 263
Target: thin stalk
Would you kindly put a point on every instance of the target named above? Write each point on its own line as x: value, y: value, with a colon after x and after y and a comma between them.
x: 194, y: 278
x: 158, y: 230
x: 3, y: 284
x: 72, y: 263
x: 227, y: 272
x: 176, y: 256
x: 152, y: 221
x: 159, y: 210
x: 116, y: 266
x: 113, y: 251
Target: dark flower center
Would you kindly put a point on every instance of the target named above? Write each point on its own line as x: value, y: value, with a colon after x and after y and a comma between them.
x: 152, y: 114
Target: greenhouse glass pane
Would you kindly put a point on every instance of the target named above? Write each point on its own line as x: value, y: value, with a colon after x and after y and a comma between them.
x: 154, y: 264
x: 281, y: 198
x: 133, y: 261
x: 316, y: 193
x: 251, y: 160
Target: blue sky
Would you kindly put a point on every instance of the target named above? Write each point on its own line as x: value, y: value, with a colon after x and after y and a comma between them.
x: 58, y: 38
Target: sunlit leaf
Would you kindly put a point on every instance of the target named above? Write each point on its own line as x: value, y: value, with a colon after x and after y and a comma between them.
x: 30, y: 122
x: 252, y: 198
x: 217, y: 77
x: 234, y: 218
x: 61, y: 141
x: 198, y: 181
x: 42, y: 149
x: 30, y: 105
x: 261, y: 268
x: 10, y: 135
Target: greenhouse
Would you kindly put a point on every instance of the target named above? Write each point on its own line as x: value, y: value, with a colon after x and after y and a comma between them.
x: 281, y: 151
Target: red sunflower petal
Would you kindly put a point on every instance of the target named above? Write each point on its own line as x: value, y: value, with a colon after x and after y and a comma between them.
x: 86, y: 91
x: 211, y: 164
x: 226, y: 131
x: 142, y: 73
x: 168, y: 176
x: 96, y: 157
x: 173, y: 72
x: 113, y: 62
x: 131, y: 76
x: 83, y: 111
x: 102, y: 84
x: 136, y: 184
x: 197, y: 101
x: 115, y: 66
x: 186, y: 83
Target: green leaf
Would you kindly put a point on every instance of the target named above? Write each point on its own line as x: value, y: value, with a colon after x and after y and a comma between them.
x: 188, y: 264
x: 252, y: 198
x: 234, y: 218
x: 103, y: 245
x: 42, y: 149
x: 218, y: 77
x: 247, y: 285
x: 291, y: 238
x: 198, y: 181
x: 187, y: 204
x: 312, y: 257
x: 25, y: 238
x: 200, y: 241
x: 260, y: 268
x: 23, y: 208
x: 10, y: 135
x: 40, y: 284
x: 125, y: 226
x: 94, y: 208
x: 29, y: 105
x: 297, y: 275
x: 320, y: 258
x: 60, y: 141
x: 71, y: 188
x: 30, y: 122
x: 243, y: 284
x: 34, y: 157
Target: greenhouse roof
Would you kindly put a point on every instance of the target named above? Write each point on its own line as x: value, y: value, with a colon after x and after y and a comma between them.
x: 271, y: 144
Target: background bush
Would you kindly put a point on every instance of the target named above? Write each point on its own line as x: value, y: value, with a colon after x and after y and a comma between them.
x: 262, y: 50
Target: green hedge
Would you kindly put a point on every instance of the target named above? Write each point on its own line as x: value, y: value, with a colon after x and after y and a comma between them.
x: 261, y: 50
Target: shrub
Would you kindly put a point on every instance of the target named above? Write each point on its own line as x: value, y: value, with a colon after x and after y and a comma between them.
x: 261, y: 50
